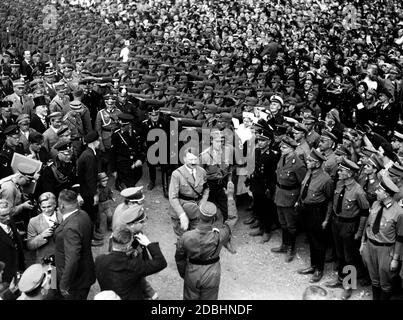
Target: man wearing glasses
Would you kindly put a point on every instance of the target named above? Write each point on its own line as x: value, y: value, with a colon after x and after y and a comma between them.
x: 11, y: 145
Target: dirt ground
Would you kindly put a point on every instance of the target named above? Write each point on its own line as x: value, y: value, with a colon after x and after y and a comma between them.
x: 253, y: 273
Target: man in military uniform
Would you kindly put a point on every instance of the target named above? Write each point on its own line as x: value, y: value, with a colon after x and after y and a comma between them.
x: 327, y: 144
x: 188, y: 186
x: 263, y: 184
x: 129, y: 154
x: 381, y: 247
x: 209, y: 112
x: 350, y: 212
x: 299, y: 132
x: 397, y: 143
x: 123, y: 103
x: 198, y: 255
x: 155, y: 121
x: 369, y: 180
x: 21, y: 102
x: 11, y: 145
x: 61, y: 173
x: 312, y: 137
x: 61, y: 100
x: 315, y: 205
x: 106, y: 123
x: 92, y: 99
x: 291, y: 171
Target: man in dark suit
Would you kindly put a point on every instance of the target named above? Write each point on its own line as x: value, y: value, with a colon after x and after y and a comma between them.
x: 39, y: 120
x: 124, y: 273
x: 11, y: 251
x: 87, y: 173
x: 73, y: 256
x: 26, y: 65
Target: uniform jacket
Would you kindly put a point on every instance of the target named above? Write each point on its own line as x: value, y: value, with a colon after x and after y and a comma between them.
x: 73, y: 255
x: 264, y: 176
x: 289, y: 177
x: 105, y: 124
x: 57, y: 176
x: 6, y: 155
x: 11, y: 253
x: 124, y: 274
x: 128, y: 148
x: 24, y: 140
x: 203, y: 243
x: 50, y: 138
x: 87, y: 172
x: 181, y: 179
x: 44, y: 248
x: 26, y: 69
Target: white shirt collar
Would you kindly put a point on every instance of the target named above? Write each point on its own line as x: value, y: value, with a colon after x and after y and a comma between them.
x: 65, y: 216
x: 95, y: 153
x: 54, y: 129
x: 5, y: 227
x: 190, y: 170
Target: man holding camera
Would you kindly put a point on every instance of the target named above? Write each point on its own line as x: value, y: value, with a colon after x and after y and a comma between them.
x: 41, y: 228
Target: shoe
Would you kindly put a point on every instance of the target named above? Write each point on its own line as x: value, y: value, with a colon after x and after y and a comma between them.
x: 316, y: 277
x: 151, y: 186
x: 97, y: 236
x: 346, y: 294
x: 249, y: 220
x: 281, y: 249
x: 334, y: 284
x: 309, y: 270
x: 255, y: 225
x: 97, y: 243
x: 166, y: 194
x: 385, y: 295
x: 255, y: 233
x: 376, y: 293
x: 290, y: 255
x: 266, y: 237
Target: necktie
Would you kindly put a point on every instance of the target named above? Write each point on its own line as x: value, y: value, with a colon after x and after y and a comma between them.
x: 306, y: 187
x: 194, y: 174
x: 284, y: 157
x: 366, y: 184
x: 340, y: 200
x: 377, y: 222
x: 10, y: 233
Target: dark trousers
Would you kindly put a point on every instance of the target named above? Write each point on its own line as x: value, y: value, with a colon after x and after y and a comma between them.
x: 91, y: 209
x: 347, y: 249
x: 264, y: 210
x: 105, y: 161
x: 152, y: 169
x: 218, y: 197
x: 312, y: 218
x: 288, y: 219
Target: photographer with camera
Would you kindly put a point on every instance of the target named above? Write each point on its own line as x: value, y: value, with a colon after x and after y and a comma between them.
x: 42, y: 227
x: 124, y: 269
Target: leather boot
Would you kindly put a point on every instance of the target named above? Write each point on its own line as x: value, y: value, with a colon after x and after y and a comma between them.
x: 255, y: 225
x: 385, y: 295
x: 151, y: 185
x: 290, y: 254
x: 376, y: 293
x: 255, y: 233
x: 284, y: 241
x: 164, y: 186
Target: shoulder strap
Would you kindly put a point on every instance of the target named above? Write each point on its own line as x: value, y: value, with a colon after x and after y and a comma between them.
x: 187, y: 181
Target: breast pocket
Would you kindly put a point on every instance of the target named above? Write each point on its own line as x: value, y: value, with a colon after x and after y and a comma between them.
x: 349, y: 204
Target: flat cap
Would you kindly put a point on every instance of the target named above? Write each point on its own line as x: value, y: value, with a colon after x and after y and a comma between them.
x: 334, y: 114
x: 289, y: 142
x: 191, y: 209
x: 342, y: 150
x: 91, y: 137
x: 75, y: 104
x: 32, y: 278
x: 349, y: 165
x: 102, y: 176
x: 210, y: 108
x: 316, y: 155
x: 133, y: 194
x: 388, y: 185
x: 23, y: 117
x: 55, y: 114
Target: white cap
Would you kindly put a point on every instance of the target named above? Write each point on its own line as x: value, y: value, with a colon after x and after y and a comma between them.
x: 107, y: 295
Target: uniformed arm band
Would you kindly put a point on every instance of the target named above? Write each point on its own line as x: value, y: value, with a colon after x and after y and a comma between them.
x: 364, y: 212
x: 399, y: 239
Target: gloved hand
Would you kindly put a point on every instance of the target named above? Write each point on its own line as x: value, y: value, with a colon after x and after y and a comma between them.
x: 184, y: 221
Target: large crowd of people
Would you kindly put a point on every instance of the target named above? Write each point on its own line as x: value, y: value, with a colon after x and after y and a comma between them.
x: 309, y: 92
